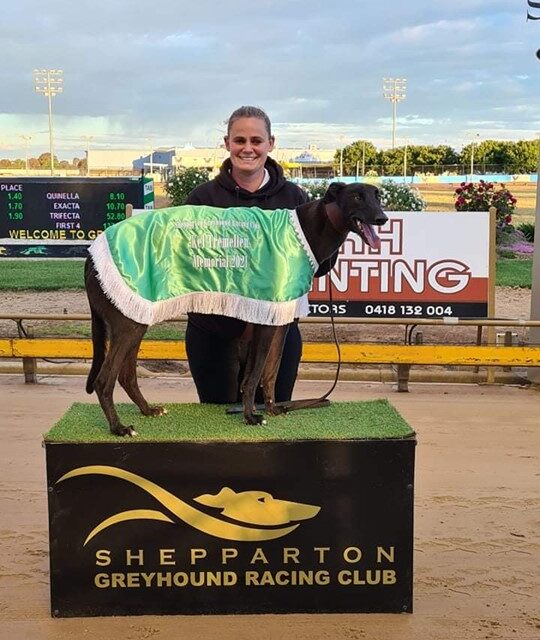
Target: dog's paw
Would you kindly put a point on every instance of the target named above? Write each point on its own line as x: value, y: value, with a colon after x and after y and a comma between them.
x: 157, y: 411
x: 255, y: 419
x: 125, y: 431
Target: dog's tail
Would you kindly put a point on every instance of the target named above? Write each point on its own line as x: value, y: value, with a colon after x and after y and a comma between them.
x: 99, y: 334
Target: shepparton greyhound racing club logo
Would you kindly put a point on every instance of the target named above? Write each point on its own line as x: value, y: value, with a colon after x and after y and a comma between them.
x: 252, y: 516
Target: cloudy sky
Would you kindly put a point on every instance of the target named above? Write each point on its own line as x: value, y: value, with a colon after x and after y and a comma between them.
x: 169, y: 72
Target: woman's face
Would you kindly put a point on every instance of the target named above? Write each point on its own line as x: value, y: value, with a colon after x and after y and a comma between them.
x: 248, y: 144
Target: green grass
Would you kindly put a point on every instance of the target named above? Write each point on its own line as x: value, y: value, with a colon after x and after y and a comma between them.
x: 169, y: 331
x: 44, y: 275
x: 41, y: 275
x: 514, y: 273
x: 198, y: 422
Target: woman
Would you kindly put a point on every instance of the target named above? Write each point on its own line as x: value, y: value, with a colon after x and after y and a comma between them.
x: 248, y: 178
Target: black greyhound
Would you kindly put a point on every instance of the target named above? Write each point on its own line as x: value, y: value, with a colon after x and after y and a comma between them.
x: 325, y: 222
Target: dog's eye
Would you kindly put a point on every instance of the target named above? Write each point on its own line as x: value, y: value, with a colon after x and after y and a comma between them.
x: 263, y: 499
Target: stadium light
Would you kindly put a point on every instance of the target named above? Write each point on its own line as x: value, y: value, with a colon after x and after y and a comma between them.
x: 150, y: 141
x: 49, y: 82
x: 26, y: 140
x: 474, y: 141
x: 395, y: 90
x: 87, y: 139
x: 405, y: 161
x: 364, y: 158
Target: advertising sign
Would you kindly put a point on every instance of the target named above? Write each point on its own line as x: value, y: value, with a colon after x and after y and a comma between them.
x: 429, y: 265
x: 218, y: 527
x: 59, y: 217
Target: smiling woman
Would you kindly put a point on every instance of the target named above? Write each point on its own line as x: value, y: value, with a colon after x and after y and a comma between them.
x: 249, y: 141
x: 248, y: 178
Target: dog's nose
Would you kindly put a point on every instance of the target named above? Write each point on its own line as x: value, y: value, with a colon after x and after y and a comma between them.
x: 381, y: 219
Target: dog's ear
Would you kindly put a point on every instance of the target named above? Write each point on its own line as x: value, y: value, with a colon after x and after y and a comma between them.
x: 333, y: 192
x: 218, y: 500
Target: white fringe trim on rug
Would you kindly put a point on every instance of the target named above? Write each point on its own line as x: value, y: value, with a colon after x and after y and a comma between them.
x: 137, y: 308
x: 302, y: 239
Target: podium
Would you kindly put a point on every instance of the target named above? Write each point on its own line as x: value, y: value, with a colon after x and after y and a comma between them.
x: 202, y: 514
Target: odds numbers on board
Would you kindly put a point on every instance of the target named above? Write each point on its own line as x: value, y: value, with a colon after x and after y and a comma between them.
x: 55, y: 209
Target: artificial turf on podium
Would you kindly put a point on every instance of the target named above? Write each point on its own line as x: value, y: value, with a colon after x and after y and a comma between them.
x: 373, y: 420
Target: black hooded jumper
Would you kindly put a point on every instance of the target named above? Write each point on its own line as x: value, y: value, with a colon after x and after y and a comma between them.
x: 212, y: 341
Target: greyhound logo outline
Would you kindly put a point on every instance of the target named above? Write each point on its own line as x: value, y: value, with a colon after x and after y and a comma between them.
x: 251, y: 516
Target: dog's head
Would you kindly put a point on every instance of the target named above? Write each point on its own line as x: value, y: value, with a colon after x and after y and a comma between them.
x: 360, y: 204
x: 258, y: 507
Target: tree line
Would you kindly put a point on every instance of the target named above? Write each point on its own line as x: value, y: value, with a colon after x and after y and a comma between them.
x: 362, y: 157
x: 43, y: 162
x: 489, y: 156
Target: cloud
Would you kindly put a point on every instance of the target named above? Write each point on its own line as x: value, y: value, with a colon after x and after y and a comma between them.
x: 175, y: 70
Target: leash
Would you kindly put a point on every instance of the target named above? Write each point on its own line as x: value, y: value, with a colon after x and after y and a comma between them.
x: 336, y: 340
x: 292, y: 405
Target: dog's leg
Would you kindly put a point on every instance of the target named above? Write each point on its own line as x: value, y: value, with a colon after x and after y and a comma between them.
x: 98, y: 349
x: 128, y: 380
x: 122, y: 340
x: 120, y: 358
x: 271, y: 369
x: 258, y: 351
x: 98, y: 306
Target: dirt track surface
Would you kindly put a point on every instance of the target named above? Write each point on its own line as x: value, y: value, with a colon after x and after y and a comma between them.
x: 476, y: 554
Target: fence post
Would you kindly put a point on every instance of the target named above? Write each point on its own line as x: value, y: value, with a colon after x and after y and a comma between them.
x: 404, y: 370
x: 403, y: 373
x: 491, y: 331
x: 30, y: 364
x: 533, y: 373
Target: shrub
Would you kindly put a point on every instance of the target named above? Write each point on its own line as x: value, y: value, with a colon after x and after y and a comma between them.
x: 178, y: 187
x: 316, y: 190
x: 471, y: 196
x: 527, y: 229
x: 506, y: 253
x: 394, y: 197
x: 513, y: 241
x: 400, y: 197
x: 522, y: 249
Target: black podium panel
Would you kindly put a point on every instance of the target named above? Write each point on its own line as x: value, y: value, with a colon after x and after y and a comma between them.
x: 225, y: 527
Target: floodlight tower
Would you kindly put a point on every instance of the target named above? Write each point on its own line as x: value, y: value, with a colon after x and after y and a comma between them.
x: 473, y: 143
x: 49, y: 82
x: 405, y: 160
x: 26, y: 140
x: 341, y: 139
x: 151, y: 154
x: 395, y: 90
x: 87, y: 138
